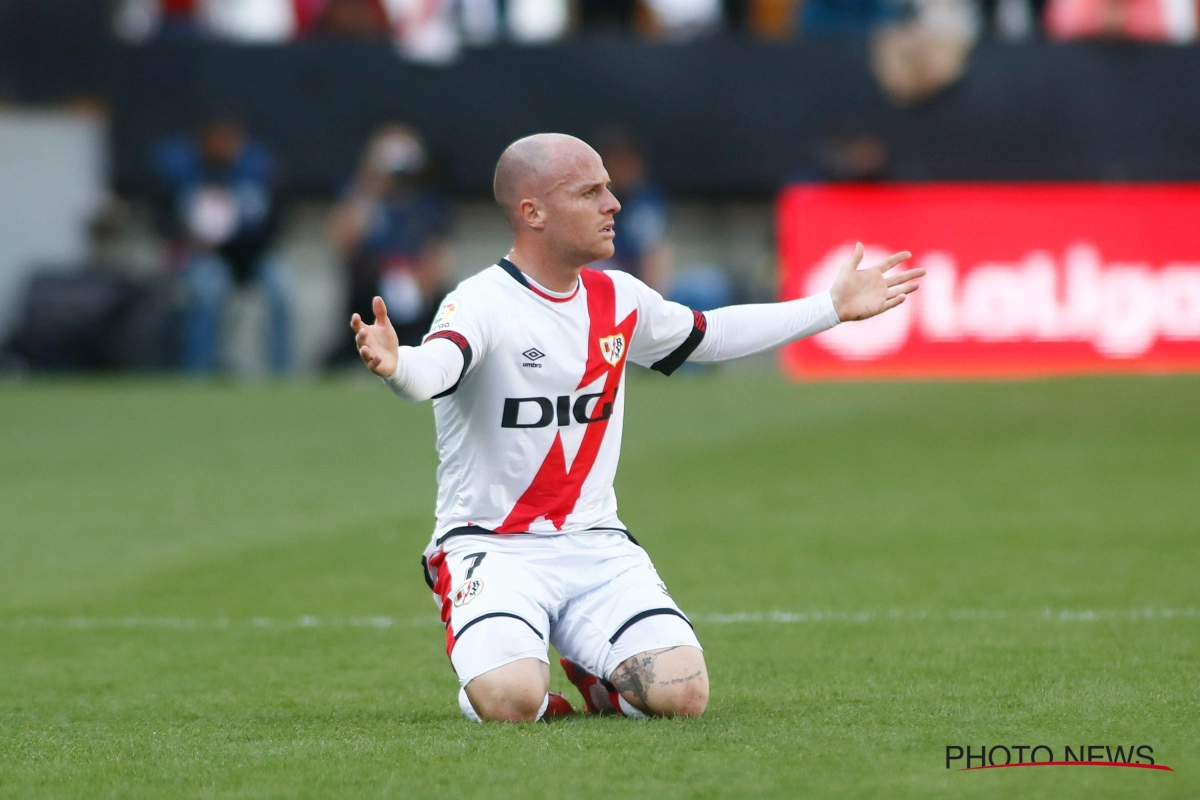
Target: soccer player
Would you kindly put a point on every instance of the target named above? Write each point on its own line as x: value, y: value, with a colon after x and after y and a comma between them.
x: 525, y: 363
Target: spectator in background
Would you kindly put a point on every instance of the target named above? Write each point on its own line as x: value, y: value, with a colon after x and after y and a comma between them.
x: 220, y: 216
x: 1171, y: 21
x: 641, y: 242
x: 1011, y: 20
x: 263, y: 21
x: 679, y: 20
x: 607, y: 15
x: 848, y: 17
x: 390, y: 230
x: 179, y: 18
x: 342, y: 18
x: 95, y: 314
x: 915, y: 59
x: 266, y: 21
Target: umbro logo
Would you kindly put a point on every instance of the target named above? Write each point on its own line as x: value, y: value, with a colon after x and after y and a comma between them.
x: 533, y: 354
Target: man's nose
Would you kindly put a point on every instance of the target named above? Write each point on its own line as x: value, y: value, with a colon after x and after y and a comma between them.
x: 611, y: 204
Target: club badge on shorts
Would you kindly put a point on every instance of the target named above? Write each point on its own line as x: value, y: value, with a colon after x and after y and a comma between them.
x: 612, y: 347
x: 468, y: 592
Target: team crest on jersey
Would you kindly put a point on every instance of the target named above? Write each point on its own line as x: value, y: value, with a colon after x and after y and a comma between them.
x: 612, y: 348
x: 468, y: 592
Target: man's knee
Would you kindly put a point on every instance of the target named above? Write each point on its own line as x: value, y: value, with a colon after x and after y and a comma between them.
x: 687, y: 700
x: 512, y: 693
x: 665, y: 683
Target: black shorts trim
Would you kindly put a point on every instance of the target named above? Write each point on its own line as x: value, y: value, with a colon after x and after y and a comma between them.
x: 653, y: 612
x: 462, y: 344
x: 475, y: 530
x: 491, y: 614
x: 674, y: 360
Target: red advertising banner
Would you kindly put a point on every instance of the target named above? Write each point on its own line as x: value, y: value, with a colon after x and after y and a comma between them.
x: 1023, y: 280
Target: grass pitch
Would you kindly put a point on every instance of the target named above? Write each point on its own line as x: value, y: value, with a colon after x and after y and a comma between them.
x: 213, y: 591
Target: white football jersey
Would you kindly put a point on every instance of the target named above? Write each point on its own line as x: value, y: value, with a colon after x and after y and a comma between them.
x: 530, y: 435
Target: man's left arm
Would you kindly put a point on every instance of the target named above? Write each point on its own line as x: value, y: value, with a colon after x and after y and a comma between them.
x: 669, y: 334
x: 856, y: 294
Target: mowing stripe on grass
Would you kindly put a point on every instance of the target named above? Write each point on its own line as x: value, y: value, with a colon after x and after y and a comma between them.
x: 740, y: 618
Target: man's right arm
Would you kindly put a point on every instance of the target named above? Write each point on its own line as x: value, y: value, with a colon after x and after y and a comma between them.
x: 419, y: 373
x: 427, y: 371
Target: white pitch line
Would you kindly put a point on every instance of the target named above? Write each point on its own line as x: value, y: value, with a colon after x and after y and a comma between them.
x: 1059, y: 615
x: 739, y: 618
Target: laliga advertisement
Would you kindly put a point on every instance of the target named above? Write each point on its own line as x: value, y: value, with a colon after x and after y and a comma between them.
x: 1023, y: 280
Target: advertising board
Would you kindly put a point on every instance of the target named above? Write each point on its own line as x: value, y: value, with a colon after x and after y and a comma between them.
x: 1023, y: 280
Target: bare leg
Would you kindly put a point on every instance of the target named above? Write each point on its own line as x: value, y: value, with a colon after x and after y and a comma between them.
x: 666, y: 683
x: 512, y: 693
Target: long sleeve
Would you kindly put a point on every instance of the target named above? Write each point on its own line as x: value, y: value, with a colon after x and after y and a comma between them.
x: 427, y: 371
x: 737, y: 331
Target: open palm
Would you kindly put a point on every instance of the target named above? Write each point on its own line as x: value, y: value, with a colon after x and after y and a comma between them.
x: 863, y: 293
x: 377, y: 343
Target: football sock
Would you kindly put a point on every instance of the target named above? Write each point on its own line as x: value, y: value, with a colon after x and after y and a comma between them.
x: 628, y: 708
x: 553, y: 705
x: 464, y: 705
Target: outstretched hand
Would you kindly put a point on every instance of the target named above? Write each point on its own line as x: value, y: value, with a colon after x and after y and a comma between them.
x: 863, y: 293
x: 377, y: 344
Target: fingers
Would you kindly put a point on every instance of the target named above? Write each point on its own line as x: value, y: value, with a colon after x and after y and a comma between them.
x: 380, y: 309
x: 855, y: 258
x: 893, y: 260
x: 356, y: 323
x: 370, y: 359
x: 904, y: 289
x: 892, y: 302
x: 904, y: 277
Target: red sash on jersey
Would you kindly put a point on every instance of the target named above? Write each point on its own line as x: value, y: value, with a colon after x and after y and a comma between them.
x: 555, y: 489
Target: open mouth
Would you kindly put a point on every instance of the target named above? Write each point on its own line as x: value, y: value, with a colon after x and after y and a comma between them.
x: 607, y: 229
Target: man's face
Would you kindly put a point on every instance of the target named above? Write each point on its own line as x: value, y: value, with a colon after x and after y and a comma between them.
x: 579, y: 209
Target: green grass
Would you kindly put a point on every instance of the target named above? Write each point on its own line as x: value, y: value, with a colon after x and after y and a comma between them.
x: 186, y: 573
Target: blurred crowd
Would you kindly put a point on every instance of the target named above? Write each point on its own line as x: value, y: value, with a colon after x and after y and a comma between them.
x: 436, y: 30
x: 218, y: 217
x: 917, y: 47
x: 217, y: 220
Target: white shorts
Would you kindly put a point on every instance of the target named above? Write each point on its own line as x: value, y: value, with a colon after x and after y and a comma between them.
x: 595, y: 596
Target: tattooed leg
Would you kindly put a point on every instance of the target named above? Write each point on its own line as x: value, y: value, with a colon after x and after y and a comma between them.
x: 669, y: 682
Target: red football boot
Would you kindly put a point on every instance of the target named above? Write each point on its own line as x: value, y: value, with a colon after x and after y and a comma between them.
x: 598, y: 697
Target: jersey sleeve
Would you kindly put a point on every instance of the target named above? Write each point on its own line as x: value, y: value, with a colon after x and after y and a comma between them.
x: 667, y: 332
x: 464, y: 320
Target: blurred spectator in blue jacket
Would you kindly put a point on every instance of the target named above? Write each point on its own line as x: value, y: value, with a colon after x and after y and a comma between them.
x: 220, y: 216
x: 390, y: 228
x: 847, y: 17
x: 641, y: 243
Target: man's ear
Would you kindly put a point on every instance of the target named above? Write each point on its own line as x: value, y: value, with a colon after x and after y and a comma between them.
x: 532, y: 214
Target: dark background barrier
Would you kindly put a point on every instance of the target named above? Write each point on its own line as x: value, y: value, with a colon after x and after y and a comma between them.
x: 719, y: 115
